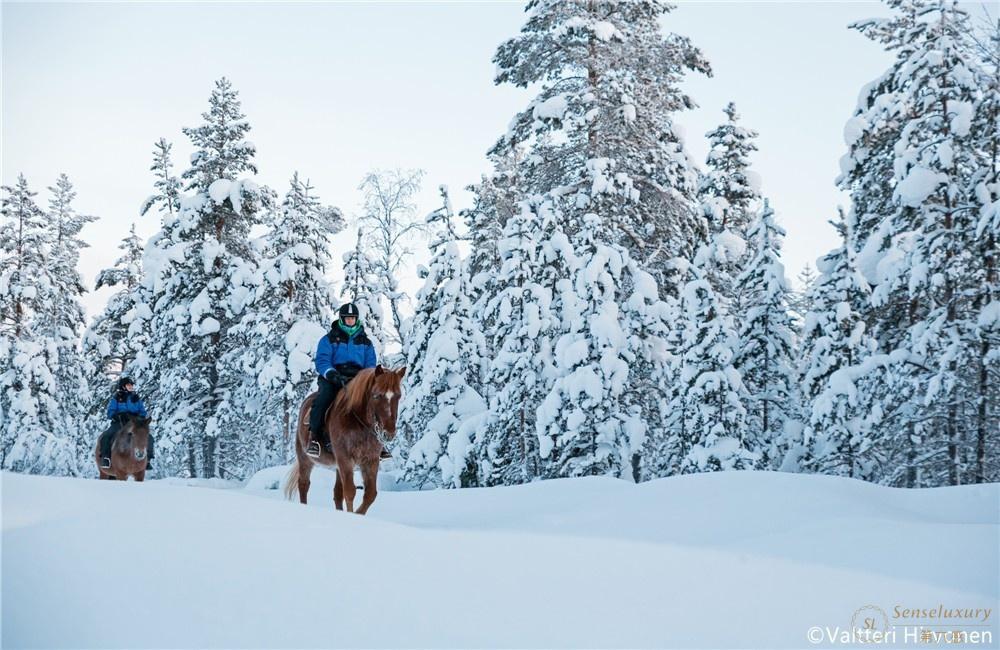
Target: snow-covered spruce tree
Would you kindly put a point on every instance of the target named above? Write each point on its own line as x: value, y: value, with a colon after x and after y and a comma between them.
x: 918, y: 239
x: 798, y: 300
x: 440, y: 410
x: 168, y: 186
x: 32, y: 437
x: 111, y: 343
x: 521, y: 313
x: 711, y: 393
x: 161, y: 246
x: 871, y: 135
x: 881, y: 232
x: 594, y: 417
x: 362, y: 287
x: 495, y: 201
x: 65, y: 319
x: 609, y: 87
x: 766, y: 341
x: 729, y: 192
x: 289, y: 311
x: 388, y: 216
x: 841, y: 408
x: 599, y: 140
x: 663, y: 452
x: 729, y: 195
x: 935, y: 157
x: 198, y: 272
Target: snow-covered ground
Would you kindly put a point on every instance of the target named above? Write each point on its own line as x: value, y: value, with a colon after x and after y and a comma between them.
x: 734, y: 559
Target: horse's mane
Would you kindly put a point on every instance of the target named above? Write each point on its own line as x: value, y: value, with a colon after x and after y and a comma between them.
x: 353, y: 396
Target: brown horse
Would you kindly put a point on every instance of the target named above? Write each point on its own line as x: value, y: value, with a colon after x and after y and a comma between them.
x: 128, y: 451
x: 361, y: 418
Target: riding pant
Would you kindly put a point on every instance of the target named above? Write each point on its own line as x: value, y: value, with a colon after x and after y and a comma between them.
x: 324, y: 399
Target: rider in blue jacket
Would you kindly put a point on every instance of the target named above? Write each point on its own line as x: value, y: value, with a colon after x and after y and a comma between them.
x: 340, y: 355
x: 124, y: 403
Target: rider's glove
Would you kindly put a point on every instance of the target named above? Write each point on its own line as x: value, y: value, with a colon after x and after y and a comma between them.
x: 334, y: 377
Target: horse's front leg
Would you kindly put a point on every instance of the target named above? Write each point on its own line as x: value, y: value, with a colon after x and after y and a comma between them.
x: 140, y: 476
x: 338, y: 492
x: 346, y: 475
x: 369, y: 473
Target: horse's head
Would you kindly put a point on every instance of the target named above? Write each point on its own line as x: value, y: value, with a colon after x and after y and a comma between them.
x: 136, y: 434
x: 383, y: 399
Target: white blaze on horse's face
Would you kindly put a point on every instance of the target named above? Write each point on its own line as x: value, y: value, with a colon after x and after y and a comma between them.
x: 385, y: 400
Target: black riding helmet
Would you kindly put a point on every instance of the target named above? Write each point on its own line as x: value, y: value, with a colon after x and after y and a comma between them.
x: 348, y: 309
x: 125, y: 381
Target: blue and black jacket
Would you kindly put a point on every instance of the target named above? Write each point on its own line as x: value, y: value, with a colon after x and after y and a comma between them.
x: 342, y: 353
x: 126, y: 403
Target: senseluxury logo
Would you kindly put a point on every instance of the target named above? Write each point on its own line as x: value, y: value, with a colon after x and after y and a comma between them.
x: 870, y: 618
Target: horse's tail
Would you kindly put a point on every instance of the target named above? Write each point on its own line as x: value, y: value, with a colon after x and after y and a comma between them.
x: 292, y: 481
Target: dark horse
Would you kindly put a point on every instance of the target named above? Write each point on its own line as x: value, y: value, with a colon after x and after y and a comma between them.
x: 128, y: 451
x: 361, y: 418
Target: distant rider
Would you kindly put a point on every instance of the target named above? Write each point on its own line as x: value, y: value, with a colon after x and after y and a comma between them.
x: 124, y: 403
x: 340, y: 355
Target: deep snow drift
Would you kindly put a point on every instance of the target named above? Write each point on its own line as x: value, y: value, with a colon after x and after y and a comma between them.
x: 734, y: 559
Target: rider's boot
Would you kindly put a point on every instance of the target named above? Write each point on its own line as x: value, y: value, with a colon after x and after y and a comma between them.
x: 385, y: 454
x: 313, y: 449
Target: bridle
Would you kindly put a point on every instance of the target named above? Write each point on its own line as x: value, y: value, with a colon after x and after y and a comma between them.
x: 375, y: 427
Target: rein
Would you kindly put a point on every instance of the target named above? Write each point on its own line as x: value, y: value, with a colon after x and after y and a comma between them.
x: 375, y: 428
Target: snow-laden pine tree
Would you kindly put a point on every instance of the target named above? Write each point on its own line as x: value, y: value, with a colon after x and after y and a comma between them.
x: 161, y: 246
x: 711, y: 394
x: 664, y: 449
x: 599, y: 146
x: 66, y: 319
x: 290, y: 309
x: 32, y: 434
x: 440, y: 410
x: 199, y: 272
x: 609, y: 86
x: 728, y: 190
x: 168, y: 186
x: 935, y: 156
x: 920, y: 240
x: 522, y: 317
x: 838, y: 370
x: 362, y: 287
x: 729, y: 194
x: 765, y: 351
x: 495, y: 201
x: 798, y: 300
x: 112, y: 341
x: 610, y: 338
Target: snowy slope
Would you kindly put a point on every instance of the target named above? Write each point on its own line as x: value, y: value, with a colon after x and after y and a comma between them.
x: 734, y: 559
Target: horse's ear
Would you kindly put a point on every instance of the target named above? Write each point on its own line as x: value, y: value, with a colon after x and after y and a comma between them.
x: 401, y: 372
x: 145, y: 421
x: 379, y: 370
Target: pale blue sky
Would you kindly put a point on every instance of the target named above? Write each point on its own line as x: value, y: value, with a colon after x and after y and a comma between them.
x: 333, y: 90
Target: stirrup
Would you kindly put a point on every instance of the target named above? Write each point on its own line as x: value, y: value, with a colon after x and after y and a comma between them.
x: 384, y: 454
x: 313, y: 449
x: 105, y: 463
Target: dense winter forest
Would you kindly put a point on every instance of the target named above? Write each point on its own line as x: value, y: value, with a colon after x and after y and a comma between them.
x: 607, y: 306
